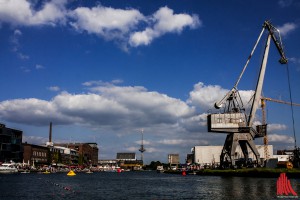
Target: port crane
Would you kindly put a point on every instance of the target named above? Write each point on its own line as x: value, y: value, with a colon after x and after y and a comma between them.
x: 233, y: 120
x: 264, y: 121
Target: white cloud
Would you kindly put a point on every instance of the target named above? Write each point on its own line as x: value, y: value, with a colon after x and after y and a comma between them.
x: 127, y: 27
x: 170, y: 125
x: 107, y: 106
x: 32, y: 112
x: 164, y: 21
x: 276, y: 127
x: 54, y: 88
x: 15, y: 41
x: 287, y: 28
x: 205, y: 96
x: 280, y: 138
x: 105, y: 21
x: 21, y: 12
x: 101, y: 83
x: 182, y: 142
x: 17, y: 32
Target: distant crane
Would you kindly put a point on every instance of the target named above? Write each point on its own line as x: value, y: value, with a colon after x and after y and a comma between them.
x: 233, y: 120
x: 264, y: 121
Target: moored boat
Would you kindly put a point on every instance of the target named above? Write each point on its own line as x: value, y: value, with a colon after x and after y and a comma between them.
x: 160, y: 169
x: 8, y: 168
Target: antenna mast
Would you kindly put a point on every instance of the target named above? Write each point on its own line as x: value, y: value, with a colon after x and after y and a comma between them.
x: 142, y: 149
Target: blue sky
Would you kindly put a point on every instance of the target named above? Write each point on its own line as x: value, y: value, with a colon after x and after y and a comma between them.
x: 103, y: 70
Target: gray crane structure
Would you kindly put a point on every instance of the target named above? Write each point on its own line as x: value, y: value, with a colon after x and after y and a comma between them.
x: 233, y: 120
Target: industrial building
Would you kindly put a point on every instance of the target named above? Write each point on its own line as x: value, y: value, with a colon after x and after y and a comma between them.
x: 207, y: 155
x: 87, y: 152
x: 129, y: 161
x: 36, y: 155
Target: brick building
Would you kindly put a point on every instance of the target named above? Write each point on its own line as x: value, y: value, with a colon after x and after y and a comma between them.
x: 39, y: 155
x: 88, y: 152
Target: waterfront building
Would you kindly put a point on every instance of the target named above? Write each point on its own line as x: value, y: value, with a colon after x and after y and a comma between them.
x: 64, y: 155
x: 107, y: 162
x: 36, y: 155
x: 173, y: 159
x: 209, y: 155
x: 87, y: 152
x: 10, y: 144
x: 129, y: 161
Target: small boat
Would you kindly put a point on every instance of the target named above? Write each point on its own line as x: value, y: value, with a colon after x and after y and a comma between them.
x: 71, y: 173
x: 89, y: 172
x: 160, y: 169
x: 8, y: 168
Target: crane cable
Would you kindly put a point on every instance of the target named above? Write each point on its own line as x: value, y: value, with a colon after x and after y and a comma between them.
x: 291, y: 100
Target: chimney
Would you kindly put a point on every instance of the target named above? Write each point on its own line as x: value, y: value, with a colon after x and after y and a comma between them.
x: 50, y: 133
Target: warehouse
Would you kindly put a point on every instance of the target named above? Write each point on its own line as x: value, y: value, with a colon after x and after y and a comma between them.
x: 207, y: 155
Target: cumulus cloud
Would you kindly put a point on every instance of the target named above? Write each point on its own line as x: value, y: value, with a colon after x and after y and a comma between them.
x: 205, y: 96
x: 169, y: 124
x: 127, y: 27
x: 287, y: 28
x: 21, y: 12
x: 32, y: 112
x: 105, y: 21
x: 164, y: 21
x: 110, y: 106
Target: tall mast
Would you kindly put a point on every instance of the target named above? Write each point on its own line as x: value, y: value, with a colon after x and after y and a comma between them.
x: 142, y: 149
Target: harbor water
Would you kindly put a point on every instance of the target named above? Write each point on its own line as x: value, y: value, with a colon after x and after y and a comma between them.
x: 135, y: 185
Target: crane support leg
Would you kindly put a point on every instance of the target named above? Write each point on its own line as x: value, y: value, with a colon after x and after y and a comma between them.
x: 227, y: 158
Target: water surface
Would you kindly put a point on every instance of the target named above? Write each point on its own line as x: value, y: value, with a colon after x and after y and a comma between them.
x: 135, y: 185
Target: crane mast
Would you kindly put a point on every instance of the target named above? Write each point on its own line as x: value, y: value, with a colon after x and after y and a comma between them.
x: 233, y: 120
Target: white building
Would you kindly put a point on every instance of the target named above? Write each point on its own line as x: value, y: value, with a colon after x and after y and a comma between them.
x: 211, y: 154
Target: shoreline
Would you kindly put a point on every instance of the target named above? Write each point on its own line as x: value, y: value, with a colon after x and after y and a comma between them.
x: 247, y: 172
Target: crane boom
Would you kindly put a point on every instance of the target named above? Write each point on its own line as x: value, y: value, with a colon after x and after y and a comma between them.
x: 272, y: 30
x: 279, y: 101
x: 283, y: 60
